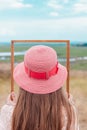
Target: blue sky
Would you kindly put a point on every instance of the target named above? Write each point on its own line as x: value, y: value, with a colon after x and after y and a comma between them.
x: 43, y: 19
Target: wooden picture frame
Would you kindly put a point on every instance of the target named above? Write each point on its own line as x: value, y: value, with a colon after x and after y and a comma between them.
x: 41, y: 41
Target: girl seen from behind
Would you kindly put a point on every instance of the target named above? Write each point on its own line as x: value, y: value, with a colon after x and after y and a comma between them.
x: 42, y: 103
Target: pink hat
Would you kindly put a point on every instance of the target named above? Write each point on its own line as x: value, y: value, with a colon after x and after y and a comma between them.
x: 40, y: 72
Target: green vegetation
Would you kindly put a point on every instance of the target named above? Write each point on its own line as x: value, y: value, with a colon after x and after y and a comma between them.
x: 61, y: 50
x: 79, y: 65
x: 75, y: 52
x: 4, y: 48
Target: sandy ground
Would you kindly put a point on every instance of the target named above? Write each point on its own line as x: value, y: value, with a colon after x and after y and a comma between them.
x: 78, y: 85
x: 78, y: 88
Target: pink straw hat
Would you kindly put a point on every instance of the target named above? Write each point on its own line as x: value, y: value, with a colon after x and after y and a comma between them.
x: 40, y: 73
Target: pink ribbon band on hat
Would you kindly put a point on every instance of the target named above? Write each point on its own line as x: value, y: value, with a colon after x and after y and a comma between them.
x: 43, y: 75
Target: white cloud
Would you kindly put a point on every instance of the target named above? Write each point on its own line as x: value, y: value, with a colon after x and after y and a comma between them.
x: 76, y: 22
x: 65, y: 1
x: 53, y: 4
x: 83, y: 1
x: 70, y: 28
x: 6, y: 32
x: 7, y: 29
x: 81, y: 6
x: 7, y: 4
x: 54, y: 14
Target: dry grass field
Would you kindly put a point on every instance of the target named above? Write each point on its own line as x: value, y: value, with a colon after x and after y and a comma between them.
x: 78, y: 88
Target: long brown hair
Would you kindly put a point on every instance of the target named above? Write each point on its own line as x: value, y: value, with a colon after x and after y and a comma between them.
x: 40, y: 111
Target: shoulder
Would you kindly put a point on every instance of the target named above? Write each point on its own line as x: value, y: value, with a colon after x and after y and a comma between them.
x: 6, y: 110
x: 5, y: 116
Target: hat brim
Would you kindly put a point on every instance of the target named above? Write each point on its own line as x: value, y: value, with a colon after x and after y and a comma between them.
x: 41, y: 86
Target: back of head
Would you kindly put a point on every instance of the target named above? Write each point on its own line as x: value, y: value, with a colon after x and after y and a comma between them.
x: 40, y: 72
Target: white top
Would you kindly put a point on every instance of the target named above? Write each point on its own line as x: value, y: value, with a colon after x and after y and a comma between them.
x: 7, y: 110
